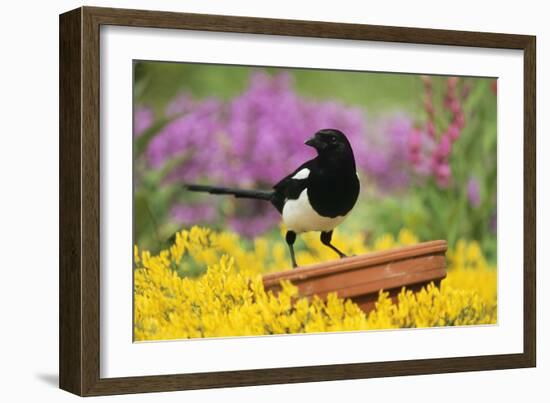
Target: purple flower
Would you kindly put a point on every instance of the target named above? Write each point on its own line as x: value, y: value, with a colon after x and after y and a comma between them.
x: 183, y: 103
x: 268, y: 124
x: 260, y: 219
x: 253, y: 140
x: 189, y: 214
x: 389, y: 152
x: 191, y: 138
x: 143, y: 119
x: 473, y: 192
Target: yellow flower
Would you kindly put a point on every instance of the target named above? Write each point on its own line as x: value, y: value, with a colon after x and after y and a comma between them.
x: 406, y: 237
x: 229, y: 299
x: 384, y: 242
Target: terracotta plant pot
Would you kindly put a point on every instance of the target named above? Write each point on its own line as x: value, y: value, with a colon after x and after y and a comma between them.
x: 360, y: 278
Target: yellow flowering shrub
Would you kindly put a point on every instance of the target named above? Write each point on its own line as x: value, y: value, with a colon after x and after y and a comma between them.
x: 229, y: 299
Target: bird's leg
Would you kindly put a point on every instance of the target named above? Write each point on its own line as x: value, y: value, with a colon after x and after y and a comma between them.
x: 290, y: 239
x: 325, y: 239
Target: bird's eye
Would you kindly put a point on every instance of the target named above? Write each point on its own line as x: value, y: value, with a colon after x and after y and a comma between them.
x: 333, y: 139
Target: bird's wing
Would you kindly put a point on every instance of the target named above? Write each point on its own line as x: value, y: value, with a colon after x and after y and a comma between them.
x: 292, y: 185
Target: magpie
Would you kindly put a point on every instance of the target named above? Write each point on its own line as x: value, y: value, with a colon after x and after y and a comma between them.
x: 317, y: 196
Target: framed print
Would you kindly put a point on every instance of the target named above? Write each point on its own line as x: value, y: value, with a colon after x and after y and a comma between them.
x: 249, y: 201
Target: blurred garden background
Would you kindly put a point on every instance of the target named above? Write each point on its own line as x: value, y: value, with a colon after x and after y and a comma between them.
x: 425, y: 148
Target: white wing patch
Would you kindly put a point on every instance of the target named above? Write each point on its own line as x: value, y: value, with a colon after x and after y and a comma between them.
x: 301, y: 174
x: 299, y: 216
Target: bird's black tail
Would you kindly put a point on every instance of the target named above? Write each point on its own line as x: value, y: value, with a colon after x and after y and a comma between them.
x: 239, y: 193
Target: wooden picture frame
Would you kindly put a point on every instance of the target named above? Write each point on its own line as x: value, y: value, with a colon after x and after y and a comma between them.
x: 79, y: 348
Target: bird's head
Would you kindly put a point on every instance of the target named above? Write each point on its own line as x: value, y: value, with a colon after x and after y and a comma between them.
x: 331, y: 142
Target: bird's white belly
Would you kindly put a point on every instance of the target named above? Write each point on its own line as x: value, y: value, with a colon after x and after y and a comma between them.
x: 299, y: 216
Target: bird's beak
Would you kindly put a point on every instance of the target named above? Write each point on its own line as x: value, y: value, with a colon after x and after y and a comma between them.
x: 315, y: 143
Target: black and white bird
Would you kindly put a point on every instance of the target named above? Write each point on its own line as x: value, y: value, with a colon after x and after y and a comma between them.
x: 317, y: 196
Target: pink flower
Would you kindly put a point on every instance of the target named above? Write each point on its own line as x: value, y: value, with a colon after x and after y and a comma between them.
x: 427, y: 81
x: 466, y: 89
x: 473, y: 192
x: 440, y: 161
x: 455, y: 106
x: 459, y: 120
x: 415, y: 141
x: 430, y: 128
x: 444, y: 147
x: 452, y: 83
x: 454, y: 132
x: 443, y: 174
x: 429, y: 106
